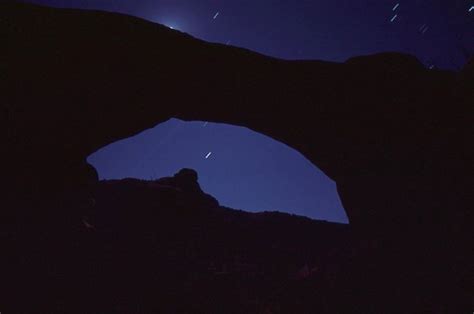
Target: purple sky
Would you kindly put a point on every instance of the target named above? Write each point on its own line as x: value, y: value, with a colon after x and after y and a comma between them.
x: 247, y: 170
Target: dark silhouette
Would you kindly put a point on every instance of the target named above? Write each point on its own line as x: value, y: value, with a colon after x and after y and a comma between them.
x: 396, y: 138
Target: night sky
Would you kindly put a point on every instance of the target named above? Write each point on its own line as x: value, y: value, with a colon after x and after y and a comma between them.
x: 247, y: 170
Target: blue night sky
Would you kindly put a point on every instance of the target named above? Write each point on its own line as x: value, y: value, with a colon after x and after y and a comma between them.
x: 247, y: 170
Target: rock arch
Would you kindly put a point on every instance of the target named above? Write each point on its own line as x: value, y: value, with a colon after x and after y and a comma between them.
x: 393, y: 135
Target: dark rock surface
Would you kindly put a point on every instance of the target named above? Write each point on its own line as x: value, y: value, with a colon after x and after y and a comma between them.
x: 164, y: 246
x: 396, y: 138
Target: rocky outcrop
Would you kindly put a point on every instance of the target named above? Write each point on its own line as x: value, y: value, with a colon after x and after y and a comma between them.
x: 394, y: 136
x: 165, y: 246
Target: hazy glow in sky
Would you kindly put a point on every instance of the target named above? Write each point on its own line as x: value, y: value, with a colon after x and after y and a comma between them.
x: 241, y: 168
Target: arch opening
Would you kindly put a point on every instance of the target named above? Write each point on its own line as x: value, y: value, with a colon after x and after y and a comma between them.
x: 241, y: 168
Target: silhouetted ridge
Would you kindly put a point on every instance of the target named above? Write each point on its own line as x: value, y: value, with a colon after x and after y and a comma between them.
x: 185, y: 179
x: 205, y: 257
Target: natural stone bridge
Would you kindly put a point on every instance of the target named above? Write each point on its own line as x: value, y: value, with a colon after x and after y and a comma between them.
x: 395, y: 137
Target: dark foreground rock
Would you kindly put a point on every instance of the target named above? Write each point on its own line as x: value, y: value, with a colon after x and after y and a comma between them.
x: 163, y: 247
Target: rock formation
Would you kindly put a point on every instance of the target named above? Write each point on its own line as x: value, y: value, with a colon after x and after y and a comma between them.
x: 396, y: 137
